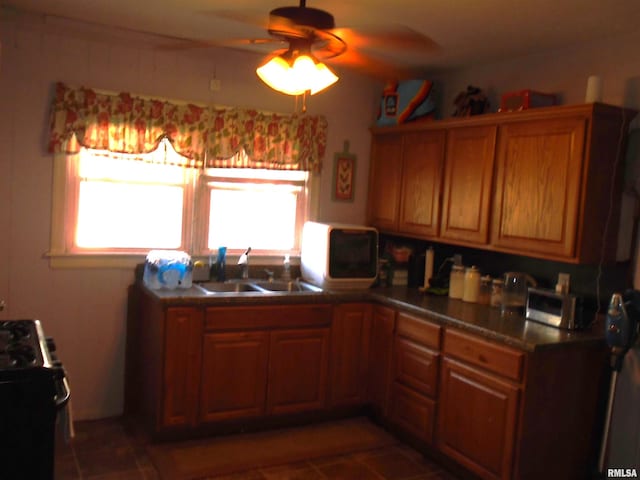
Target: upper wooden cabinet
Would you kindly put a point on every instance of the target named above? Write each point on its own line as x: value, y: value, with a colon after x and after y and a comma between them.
x: 544, y: 183
x: 405, y: 182
x: 422, y: 161
x: 467, y: 183
x: 384, y: 182
x: 538, y: 183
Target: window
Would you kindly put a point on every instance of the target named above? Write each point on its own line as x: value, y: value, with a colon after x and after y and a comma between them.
x: 115, y: 206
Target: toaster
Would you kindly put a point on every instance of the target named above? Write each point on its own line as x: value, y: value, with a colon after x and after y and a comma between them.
x: 560, y: 310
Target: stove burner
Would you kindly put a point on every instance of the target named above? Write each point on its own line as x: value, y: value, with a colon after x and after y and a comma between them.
x: 17, y: 330
x: 18, y: 345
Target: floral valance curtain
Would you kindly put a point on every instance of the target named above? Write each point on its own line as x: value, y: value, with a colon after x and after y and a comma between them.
x: 205, y: 136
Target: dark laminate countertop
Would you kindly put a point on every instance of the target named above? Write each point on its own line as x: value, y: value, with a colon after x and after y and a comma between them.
x: 481, y: 320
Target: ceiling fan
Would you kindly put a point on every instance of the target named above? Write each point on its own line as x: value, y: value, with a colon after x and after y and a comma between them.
x: 301, y: 31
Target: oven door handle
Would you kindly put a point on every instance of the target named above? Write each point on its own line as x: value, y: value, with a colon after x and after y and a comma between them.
x: 63, y: 393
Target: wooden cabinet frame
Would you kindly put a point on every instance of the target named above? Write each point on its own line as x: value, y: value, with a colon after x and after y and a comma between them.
x: 543, y: 183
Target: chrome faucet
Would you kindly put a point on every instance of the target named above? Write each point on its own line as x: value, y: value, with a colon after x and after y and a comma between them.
x: 244, y: 261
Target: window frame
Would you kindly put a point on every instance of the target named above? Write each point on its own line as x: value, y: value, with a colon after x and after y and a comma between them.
x: 64, y: 209
x: 203, y: 202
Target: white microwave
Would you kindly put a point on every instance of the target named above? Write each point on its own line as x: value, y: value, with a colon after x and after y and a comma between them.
x: 339, y: 256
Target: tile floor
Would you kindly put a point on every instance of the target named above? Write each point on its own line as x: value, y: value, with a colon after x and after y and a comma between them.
x: 103, y: 450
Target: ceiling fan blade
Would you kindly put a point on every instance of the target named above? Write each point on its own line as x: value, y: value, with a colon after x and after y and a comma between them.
x: 373, y: 66
x: 261, y: 45
x: 248, y: 17
x: 389, y: 38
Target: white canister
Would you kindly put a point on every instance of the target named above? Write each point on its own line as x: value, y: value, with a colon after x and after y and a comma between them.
x: 456, y: 282
x: 471, y: 290
x: 594, y: 89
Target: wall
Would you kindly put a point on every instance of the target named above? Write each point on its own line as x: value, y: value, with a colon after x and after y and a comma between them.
x: 84, y: 310
x: 563, y: 72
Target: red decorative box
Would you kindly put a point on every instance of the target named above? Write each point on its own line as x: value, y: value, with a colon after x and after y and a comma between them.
x: 524, y: 99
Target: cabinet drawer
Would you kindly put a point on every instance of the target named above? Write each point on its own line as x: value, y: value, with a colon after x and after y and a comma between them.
x: 276, y: 316
x: 496, y: 358
x: 413, y: 412
x: 416, y: 366
x: 422, y: 331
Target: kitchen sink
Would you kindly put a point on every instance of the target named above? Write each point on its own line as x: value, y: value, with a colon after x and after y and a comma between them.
x: 257, y: 286
x: 227, y: 287
x: 286, y: 286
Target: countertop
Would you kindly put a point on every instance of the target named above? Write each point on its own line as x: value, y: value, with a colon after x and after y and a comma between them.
x: 481, y: 320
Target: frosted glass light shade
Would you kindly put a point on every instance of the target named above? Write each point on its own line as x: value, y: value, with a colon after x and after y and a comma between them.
x: 304, y: 74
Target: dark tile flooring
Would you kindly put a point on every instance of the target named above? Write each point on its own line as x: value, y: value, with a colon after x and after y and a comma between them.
x: 104, y: 450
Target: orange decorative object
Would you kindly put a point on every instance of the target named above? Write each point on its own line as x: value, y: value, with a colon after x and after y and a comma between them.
x: 525, y: 99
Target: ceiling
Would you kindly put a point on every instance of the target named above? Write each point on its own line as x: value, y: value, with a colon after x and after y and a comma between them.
x: 465, y: 31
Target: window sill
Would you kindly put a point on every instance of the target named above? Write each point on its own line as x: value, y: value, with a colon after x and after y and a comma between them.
x: 131, y: 260
x: 95, y: 260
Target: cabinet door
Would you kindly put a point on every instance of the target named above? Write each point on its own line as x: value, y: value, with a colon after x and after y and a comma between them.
x: 413, y: 412
x: 468, y: 183
x: 416, y: 366
x: 234, y: 375
x: 422, y: 160
x: 384, y: 181
x: 182, y: 358
x: 477, y: 420
x: 298, y: 370
x: 538, y: 181
x: 382, y: 327
x: 350, y: 337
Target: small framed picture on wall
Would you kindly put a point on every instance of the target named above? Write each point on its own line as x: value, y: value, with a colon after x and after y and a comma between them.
x: 344, y: 175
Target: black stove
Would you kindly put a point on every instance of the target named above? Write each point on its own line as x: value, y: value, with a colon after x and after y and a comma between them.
x: 33, y: 388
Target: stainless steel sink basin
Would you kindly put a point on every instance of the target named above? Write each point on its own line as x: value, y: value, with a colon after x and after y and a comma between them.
x: 227, y: 287
x: 286, y: 286
x: 256, y: 286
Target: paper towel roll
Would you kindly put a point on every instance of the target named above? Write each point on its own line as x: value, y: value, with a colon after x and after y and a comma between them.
x: 428, y: 266
x: 594, y: 89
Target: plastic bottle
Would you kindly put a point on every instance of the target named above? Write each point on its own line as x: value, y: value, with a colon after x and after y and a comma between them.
x: 221, y: 263
x: 456, y: 282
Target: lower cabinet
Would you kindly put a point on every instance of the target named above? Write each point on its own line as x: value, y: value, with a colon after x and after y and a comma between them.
x: 181, y: 372
x: 234, y: 375
x: 477, y: 419
x: 479, y: 403
x: 416, y: 360
x: 297, y: 370
x: 379, y: 378
x: 349, y: 358
x: 500, y: 412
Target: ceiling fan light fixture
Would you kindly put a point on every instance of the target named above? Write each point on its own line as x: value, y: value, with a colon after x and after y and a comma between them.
x: 296, y: 74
